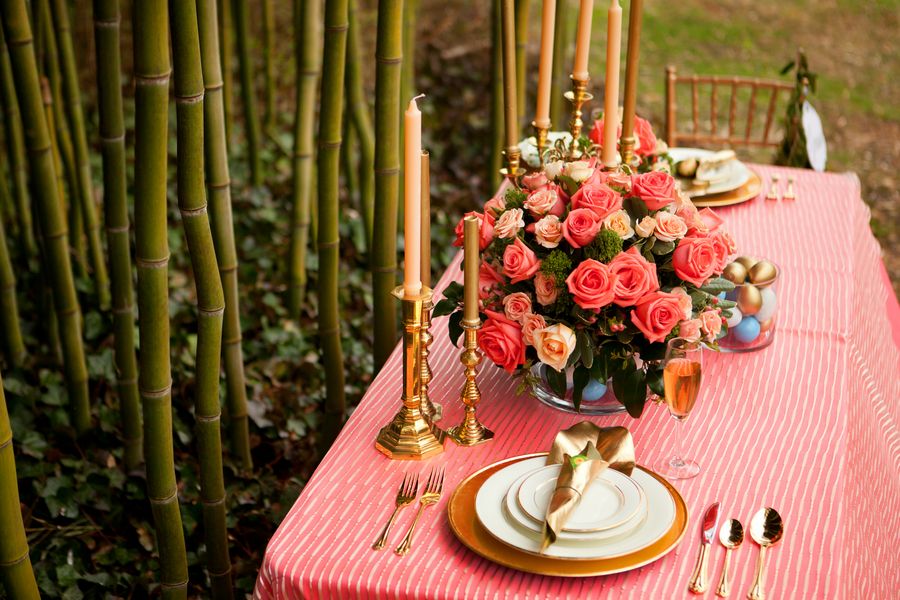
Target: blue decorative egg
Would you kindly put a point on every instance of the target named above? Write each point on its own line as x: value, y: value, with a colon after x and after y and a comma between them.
x: 721, y: 296
x: 747, y: 330
x: 593, y: 391
x: 731, y: 295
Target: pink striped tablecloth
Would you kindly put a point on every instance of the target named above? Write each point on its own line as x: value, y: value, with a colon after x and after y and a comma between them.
x: 809, y: 426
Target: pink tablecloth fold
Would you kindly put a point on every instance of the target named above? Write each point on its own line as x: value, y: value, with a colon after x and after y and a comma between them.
x: 809, y: 426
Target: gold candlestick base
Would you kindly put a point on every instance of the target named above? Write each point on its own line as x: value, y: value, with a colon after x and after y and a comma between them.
x: 512, y: 170
x: 540, y: 136
x: 411, y: 435
x: 470, y: 432
x: 431, y: 410
x: 626, y: 149
x: 578, y: 96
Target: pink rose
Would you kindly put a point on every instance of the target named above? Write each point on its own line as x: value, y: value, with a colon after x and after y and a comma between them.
x: 690, y: 330
x: 656, y: 315
x: 596, y: 134
x: 545, y: 289
x: 495, y: 205
x: 614, y: 179
x: 669, y: 227
x: 548, y: 231
x: 600, y: 198
x: 555, y: 345
x: 635, y: 277
x: 592, y: 284
x: 544, y: 201
x: 485, y: 224
x: 516, y: 306
x: 535, y: 181
x: 509, y: 223
x: 656, y: 189
x: 581, y: 227
x: 725, y: 247
x: 488, y: 280
x: 711, y: 324
x: 684, y: 300
x: 695, y: 260
x: 519, y: 262
x: 531, y: 323
x: 501, y: 341
x: 711, y: 219
x: 646, y: 139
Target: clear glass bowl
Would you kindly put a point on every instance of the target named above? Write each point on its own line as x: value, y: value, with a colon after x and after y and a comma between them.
x: 607, y: 404
x: 756, y: 330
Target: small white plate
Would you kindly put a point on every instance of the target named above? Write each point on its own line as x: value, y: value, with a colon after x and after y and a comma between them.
x: 491, y: 512
x: 735, y: 174
x: 612, y: 499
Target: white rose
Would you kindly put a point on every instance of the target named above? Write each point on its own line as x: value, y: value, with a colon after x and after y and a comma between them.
x: 579, y: 170
x: 553, y: 169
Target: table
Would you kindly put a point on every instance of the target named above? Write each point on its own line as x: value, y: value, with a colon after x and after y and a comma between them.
x: 808, y: 425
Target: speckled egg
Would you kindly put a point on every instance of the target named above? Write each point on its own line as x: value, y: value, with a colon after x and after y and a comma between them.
x: 747, y: 330
x: 749, y: 299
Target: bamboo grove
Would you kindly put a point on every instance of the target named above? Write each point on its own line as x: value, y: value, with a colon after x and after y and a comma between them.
x: 87, y: 199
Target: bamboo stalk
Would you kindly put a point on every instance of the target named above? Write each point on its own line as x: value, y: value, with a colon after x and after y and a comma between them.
x: 362, y: 125
x: 52, y: 223
x: 330, y: 114
x: 497, y: 126
x: 74, y: 215
x: 241, y: 15
x: 268, y: 10
x: 16, y: 573
x: 218, y: 183
x: 15, y: 147
x: 82, y: 159
x: 10, y: 332
x: 348, y: 154
x: 151, y: 80
x: 523, y: 10
x: 189, y: 93
x: 115, y: 203
x: 559, y: 82
x: 389, y: 59
x: 308, y: 58
x: 226, y: 52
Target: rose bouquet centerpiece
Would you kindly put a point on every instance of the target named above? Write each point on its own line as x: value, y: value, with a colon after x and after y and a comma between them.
x: 590, y: 272
x: 650, y: 152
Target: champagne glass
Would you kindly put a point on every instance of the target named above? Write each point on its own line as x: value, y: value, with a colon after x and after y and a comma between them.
x: 681, y: 378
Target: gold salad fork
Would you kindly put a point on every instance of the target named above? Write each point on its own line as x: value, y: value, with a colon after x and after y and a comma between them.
x: 405, y: 495
x: 432, y: 494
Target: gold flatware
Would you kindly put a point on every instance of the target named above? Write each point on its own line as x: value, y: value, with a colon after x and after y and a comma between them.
x: 731, y: 535
x: 773, y: 189
x: 700, y: 577
x: 433, y: 489
x: 789, y: 192
x: 405, y: 495
x: 766, y: 529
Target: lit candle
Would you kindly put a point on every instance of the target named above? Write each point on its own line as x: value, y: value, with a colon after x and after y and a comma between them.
x: 471, y: 259
x: 583, y: 39
x: 631, y: 70
x: 545, y: 71
x: 611, y: 106
x: 508, y: 32
x: 412, y: 188
x: 426, y: 219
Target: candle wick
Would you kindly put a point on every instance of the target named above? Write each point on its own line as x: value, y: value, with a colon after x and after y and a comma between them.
x: 417, y: 97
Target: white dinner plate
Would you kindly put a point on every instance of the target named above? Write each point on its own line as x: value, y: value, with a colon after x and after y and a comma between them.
x: 735, y: 175
x: 611, y: 500
x: 492, y: 514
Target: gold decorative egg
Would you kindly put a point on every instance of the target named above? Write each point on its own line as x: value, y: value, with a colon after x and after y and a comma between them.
x: 735, y: 272
x: 767, y: 325
x: 763, y: 273
x: 747, y: 261
x: 749, y: 300
x: 687, y: 167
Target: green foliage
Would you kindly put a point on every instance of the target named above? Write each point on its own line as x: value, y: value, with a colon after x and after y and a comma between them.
x: 557, y: 265
x: 606, y: 246
x: 515, y: 198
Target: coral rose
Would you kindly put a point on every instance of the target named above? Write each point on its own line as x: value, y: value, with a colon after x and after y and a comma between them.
x: 545, y: 289
x: 725, y: 247
x: 488, y: 280
x: 600, y: 198
x: 516, y: 306
x: 519, y: 262
x: 485, y: 225
x: 509, y: 223
x: 656, y: 315
x: 635, y: 277
x: 619, y: 222
x: 546, y: 200
x: 501, y: 341
x: 531, y: 323
x: 555, y: 345
x: 581, y: 227
x: 495, y: 205
x: 690, y: 330
x: 548, y: 231
x: 695, y: 260
x: 592, y: 284
x: 535, y: 181
x: 645, y: 138
x: 656, y: 189
x: 668, y: 228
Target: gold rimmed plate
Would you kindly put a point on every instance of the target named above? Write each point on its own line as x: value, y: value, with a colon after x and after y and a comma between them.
x: 748, y: 191
x: 465, y: 524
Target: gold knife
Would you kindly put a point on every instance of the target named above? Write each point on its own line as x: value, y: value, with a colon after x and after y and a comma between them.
x: 700, y: 578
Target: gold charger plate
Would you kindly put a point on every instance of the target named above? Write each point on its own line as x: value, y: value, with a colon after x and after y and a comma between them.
x: 748, y: 191
x: 464, y: 523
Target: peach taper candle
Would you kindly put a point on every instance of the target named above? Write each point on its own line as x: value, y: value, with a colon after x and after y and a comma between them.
x: 611, y: 105
x: 412, y: 189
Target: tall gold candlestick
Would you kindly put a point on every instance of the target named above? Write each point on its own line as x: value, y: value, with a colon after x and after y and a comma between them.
x: 626, y: 146
x: 578, y: 96
x: 411, y: 435
x: 540, y: 136
x: 429, y: 409
x: 510, y: 104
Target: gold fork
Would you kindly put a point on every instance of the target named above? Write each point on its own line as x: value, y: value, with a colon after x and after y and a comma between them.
x: 405, y: 495
x: 432, y: 494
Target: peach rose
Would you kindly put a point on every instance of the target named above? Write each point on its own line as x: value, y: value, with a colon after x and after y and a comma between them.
x: 545, y: 201
x: 519, y: 262
x: 645, y: 138
x: 614, y: 179
x: 600, y: 198
x: 619, y: 222
x: 535, y: 181
x: 530, y: 324
x: 581, y: 227
x: 656, y: 315
x: 501, y: 341
x: 645, y: 226
x: 635, y: 277
x: 509, y: 223
x: 555, y: 345
x: 545, y: 289
x: 548, y: 231
x: 553, y: 169
x: 579, y: 170
x: 516, y: 306
x: 711, y: 324
x: 695, y: 260
x: 489, y: 280
x: 656, y: 189
x: 592, y: 284
x: 711, y: 219
x: 495, y: 205
x: 684, y: 300
x: 690, y: 330
x: 725, y: 247
x: 486, y: 227
x: 668, y: 228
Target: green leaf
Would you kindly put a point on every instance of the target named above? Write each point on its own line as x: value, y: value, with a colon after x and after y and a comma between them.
x: 636, y: 208
x: 580, y: 378
x: 630, y: 388
x: 454, y: 290
x: 655, y: 351
x: 569, y: 184
x: 655, y: 381
x: 600, y: 368
x: 726, y: 304
x: 454, y: 325
x: 556, y: 380
x: 717, y: 285
x: 584, y: 348
x: 663, y: 248
x: 444, y: 307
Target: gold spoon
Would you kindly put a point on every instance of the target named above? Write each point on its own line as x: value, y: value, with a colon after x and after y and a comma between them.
x: 766, y: 529
x: 730, y: 535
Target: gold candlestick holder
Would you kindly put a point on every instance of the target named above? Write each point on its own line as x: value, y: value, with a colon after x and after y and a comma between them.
x: 432, y: 410
x: 512, y: 170
x: 411, y: 435
x: 578, y: 96
x: 626, y: 149
x: 470, y: 432
x: 540, y: 136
